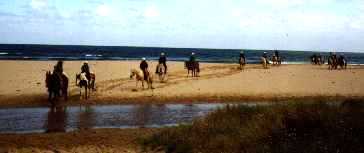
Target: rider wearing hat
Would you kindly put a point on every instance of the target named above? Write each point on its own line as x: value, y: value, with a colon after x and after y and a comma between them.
x: 162, y: 60
x: 144, y: 67
x: 86, y: 69
x: 265, y: 55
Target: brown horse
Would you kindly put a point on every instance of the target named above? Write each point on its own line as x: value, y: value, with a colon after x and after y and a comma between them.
x: 242, y: 63
x: 56, y: 84
x: 161, y: 71
x: 192, y: 66
x: 276, y: 60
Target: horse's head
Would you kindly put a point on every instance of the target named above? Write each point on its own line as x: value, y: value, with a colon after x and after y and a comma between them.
x: 132, y: 73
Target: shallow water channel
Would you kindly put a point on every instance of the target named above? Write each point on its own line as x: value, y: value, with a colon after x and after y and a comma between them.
x: 70, y: 118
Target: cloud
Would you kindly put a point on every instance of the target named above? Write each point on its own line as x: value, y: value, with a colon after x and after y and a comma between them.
x: 151, y: 11
x: 38, y: 4
x: 103, y: 10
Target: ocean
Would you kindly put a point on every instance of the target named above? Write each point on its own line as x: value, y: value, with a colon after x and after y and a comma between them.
x: 75, y: 52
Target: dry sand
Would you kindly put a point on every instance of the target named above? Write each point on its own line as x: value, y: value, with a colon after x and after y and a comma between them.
x: 22, y: 83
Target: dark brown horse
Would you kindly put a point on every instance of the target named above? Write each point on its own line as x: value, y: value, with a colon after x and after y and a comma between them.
x: 56, y: 85
x: 242, y: 62
x: 192, y: 66
x: 332, y: 62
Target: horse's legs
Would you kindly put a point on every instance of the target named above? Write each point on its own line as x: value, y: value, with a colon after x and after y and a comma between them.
x: 86, y: 91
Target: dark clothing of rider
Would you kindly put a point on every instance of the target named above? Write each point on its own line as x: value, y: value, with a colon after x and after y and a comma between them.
x: 265, y: 55
x: 192, y: 58
x: 241, y: 57
x: 144, y: 67
x: 276, y: 53
x: 86, y: 69
x: 58, y: 68
x: 162, y: 60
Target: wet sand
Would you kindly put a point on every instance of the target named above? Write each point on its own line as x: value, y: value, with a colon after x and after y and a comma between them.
x: 92, y: 141
x: 22, y: 83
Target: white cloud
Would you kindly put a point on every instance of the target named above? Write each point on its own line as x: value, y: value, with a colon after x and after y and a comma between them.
x: 38, y: 4
x: 151, y: 11
x: 103, y: 10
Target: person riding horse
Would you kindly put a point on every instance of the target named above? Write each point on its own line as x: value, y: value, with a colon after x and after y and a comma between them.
x: 58, y: 70
x: 144, y: 67
x: 86, y: 69
x: 342, y: 62
x: 242, y: 56
x: 162, y: 60
x: 242, y: 59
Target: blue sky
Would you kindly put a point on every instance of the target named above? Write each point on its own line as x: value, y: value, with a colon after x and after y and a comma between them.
x: 261, y: 24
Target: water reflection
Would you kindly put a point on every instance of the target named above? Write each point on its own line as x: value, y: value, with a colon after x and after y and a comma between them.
x: 86, y: 118
x: 63, y: 119
x: 56, y: 121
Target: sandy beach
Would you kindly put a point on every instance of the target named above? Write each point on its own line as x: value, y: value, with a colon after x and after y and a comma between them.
x: 22, y: 83
x: 93, y: 141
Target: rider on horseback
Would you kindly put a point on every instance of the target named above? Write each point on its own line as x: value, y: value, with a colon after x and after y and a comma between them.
x: 192, y: 57
x: 144, y: 67
x: 242, y: 56
x: 265, y: 55
x: 162, y: 60
x: 58, y: 69
x: 86, y: 69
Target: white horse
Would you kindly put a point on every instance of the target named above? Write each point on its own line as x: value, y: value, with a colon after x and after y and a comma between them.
x: 139, y: 76
x: 264, y: 62
x: 82, y: 82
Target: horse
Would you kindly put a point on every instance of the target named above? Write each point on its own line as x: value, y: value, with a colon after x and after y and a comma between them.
x: 242, y: 63
x: 342, y: 63
x: 83, y: 82
x: 332, y: 62
x: 192, y: 66
x: 264, y: 62
x: 276, y: 60
x: 139, y: 76
x: 161, y: 71
x: 56, y: 85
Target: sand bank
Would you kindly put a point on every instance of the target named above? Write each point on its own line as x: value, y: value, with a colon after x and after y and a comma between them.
x: 22, y: 83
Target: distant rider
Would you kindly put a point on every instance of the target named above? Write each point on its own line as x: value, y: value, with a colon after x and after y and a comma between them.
x: 144, y: 67
x: 86, y: 69
x: 242, y: 56
x: 162, y: 60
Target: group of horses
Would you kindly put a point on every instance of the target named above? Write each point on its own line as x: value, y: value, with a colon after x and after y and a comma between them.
x: 57, y: 84
x: 332, y: 61
x: 275, y: 61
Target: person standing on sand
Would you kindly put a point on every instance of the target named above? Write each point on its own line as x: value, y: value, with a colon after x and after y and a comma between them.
x: 86, y: 69
x: 144, y: 67
x: 162, y: 60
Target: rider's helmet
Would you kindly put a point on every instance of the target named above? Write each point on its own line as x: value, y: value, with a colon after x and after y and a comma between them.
x: 241, y: 52
x: 162, y: 54
x: 143, y: 59
x: 192, y: 53
x: 85, y: 62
